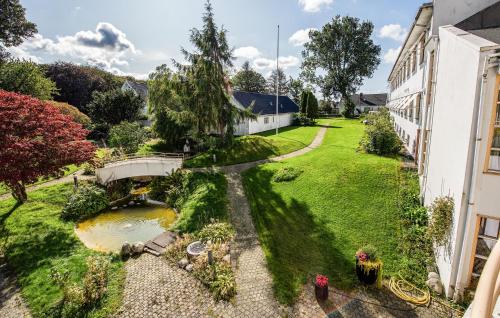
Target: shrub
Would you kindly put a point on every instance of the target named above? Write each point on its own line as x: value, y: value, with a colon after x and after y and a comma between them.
x: 86, y: 202
x: 223, y: 286
x: 367, y: 253
x: 286, y: 174
x: 119, y: 189
x: 168, y: 189
x: 441, y: 219
x: 216, y: 233
x: 380, y: 137
x: 177, y: 250
x: 128, y: 136
x: 73, y: 112
x: 303, y: 120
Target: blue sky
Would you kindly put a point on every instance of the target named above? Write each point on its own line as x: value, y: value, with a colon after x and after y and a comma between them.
x: 133, y: 37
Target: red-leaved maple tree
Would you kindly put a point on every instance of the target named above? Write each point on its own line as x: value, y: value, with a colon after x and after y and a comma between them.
x: 36, y: 140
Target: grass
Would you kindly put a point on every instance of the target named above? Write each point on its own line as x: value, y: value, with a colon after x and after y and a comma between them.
x: 314, y: 224
x: 204, y: 199
x: 69, y: 170
x: 36, y: 240
x: 257, y: 147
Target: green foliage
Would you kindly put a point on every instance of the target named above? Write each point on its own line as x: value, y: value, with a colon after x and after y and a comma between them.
x: 223, y: 286
x: 177, y: 250
x: 128, y: 136
x: 115, y: 106
x: 380, y: 137
x: 168, y: 189
x: 302, y: 120
x: 370, y: 251
x: 73, y: 112
x: 441, y: 223
x: 217, y: 233
x: 349, y: 108
x: 119, y: 189
x: 414, y: 243
x: 248, y: 80
x: 296, y: 87
x: 309, y: 105
x: 340, y: 55
x: 283, y: 85
x: 286, y: 174
x: 14, y: 28
x: 27, y: 78
x: 86, y: 202
x: 37, y: 241
x: 307, y: 226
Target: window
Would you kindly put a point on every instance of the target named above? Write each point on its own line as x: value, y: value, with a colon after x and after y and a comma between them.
x: 266, y: 120
x: 424, y: 150
x: 494, y: 152
x: 410, y: 110
x: 430, y: 79
x: 414, y: 61
x: 422, y: 48
x: 408, y: 68
x: 486, y: 238
x: 417, y: 108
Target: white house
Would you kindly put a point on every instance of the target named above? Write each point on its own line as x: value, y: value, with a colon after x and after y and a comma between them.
x: 445, y: 101
x: 264, y: 106
x: 367, y: 102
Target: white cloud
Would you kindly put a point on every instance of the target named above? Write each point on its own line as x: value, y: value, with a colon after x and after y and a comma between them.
x: 19, y: 53
x: 393, y: 31
x: 284, y: 62
x: 248, y: 52
x: 300, y: 37
x: 391, y: 55
x: 314, y: 5
x: 106, y: 47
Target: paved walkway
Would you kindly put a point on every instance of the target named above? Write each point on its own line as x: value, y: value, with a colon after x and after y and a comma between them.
x: 65, y: 179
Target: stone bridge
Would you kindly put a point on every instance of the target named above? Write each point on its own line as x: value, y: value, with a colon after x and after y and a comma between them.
x: 153, y: 164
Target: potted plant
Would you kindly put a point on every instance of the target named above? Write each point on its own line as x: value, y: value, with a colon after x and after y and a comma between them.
x: 368, y: 266
x: 321, y: 287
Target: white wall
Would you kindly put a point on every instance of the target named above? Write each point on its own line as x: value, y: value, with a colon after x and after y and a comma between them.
x: 456, y: 94
x: 259, y: 125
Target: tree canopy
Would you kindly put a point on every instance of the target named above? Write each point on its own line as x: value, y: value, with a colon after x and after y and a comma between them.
x: 248, y: 80
x: 283, y: 87
x: 112, y: 107
x: 27, y: 78
x: 14, y: 27
x: 73, y: 112
x: 127, y: 136
x: 339, y: 56
x: 309, y: 104
x: 296, y: 87
x: 36, y: 141
x: 77, y: 83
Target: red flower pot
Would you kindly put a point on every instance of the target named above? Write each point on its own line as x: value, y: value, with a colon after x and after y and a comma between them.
x: 321, y: 292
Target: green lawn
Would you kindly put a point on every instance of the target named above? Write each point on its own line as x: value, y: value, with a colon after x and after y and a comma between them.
x: 315, y: 223
x: 37, y: 240
x: 70, y: 169
x: 259, y: 146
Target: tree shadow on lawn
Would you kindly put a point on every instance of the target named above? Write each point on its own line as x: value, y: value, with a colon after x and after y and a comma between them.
x: 297, y: 246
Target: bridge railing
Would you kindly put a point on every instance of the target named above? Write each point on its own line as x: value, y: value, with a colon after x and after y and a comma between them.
x: 124, y: 157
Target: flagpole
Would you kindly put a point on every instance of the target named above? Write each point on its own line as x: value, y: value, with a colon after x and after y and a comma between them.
x: 277, y: 80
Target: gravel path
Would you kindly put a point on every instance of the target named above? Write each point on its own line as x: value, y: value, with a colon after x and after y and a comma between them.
x: 11, y: 303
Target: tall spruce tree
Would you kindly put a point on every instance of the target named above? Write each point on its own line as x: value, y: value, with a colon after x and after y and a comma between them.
x: 283, y: 87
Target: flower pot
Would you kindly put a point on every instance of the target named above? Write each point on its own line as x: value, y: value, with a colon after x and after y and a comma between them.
x: 368, y: 277
x: 321, y: 292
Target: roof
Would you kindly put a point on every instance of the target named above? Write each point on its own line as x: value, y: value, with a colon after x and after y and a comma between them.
x: 484, y: 23
x: 369, y: 99
x: 265, y: 104
x: 140, y: 88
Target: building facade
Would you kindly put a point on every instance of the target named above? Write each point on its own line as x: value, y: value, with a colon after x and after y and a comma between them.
x: 365, y: 103
x: 445, y: 102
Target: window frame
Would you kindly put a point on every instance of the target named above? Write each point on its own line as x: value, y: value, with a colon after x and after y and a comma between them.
x: 496, y: 103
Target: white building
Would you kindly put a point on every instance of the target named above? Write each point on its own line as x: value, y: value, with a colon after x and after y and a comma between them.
x: 264, y: 106
x: 364, y: 103
x: 445, y: 101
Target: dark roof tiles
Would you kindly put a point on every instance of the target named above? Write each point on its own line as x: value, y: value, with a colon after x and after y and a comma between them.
x: 265, y: 104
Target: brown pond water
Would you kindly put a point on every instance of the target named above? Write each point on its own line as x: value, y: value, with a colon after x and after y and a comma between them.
x: 107, y: 231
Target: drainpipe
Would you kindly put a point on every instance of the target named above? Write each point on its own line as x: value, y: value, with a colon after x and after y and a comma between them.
x: 459, y: 258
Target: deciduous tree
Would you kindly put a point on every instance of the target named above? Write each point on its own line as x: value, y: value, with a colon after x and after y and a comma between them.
x: 128, y: 136
x: 27, y: 78
x: 296, y: 87
x: 112, y: 107
x: 339, y: 56
x: 282, y: 83
x: 73, y: 112
x: 14, y: 27
x: 36, y: 141
x: 248, y: 80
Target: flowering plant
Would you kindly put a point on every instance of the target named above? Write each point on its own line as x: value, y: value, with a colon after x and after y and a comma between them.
x: 321, y: 281
x: 367, y: 253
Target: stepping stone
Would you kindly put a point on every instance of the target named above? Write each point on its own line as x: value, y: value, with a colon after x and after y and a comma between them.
x: 164, y: 239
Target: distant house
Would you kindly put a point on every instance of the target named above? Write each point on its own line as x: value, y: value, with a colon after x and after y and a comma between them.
x: 367, y: 102
x: 139, y: 89
x: 264, y: 106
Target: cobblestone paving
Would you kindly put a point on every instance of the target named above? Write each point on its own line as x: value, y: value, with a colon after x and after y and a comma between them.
x: 11, y: 303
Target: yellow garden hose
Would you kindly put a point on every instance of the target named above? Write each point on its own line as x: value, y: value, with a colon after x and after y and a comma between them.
x: 409, y: 292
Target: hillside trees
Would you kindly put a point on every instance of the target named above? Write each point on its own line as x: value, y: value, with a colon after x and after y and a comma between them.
x: 248, y: 80
x: 36, y: 141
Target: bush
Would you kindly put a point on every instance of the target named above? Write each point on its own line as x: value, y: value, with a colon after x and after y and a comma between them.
x: 380, y: 137
x: 218, y: 277
x: 177, y: 250
x: 303, y: 120
x: 216, y: 233
x: 441, y: 219
x: 119, y: 189
x: 286, y: 174
x: 128, y: 136
x: 73, y: 112
x: 86, y: 202
x: 167, y: 189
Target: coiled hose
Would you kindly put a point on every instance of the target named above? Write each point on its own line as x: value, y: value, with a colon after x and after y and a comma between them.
x: 409, y: 292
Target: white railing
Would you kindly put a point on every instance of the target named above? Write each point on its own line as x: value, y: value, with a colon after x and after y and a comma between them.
x: 125, y: 157
x: 488, y: 289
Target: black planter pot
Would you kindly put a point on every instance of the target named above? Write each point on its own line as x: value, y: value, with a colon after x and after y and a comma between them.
x: 321, y: 292
x: 366, y: 277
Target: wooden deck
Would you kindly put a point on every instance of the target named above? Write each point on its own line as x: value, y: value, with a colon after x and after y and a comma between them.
x: 158, y: 245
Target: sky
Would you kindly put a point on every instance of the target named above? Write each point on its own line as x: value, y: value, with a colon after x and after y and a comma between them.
x: 132, y: 37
